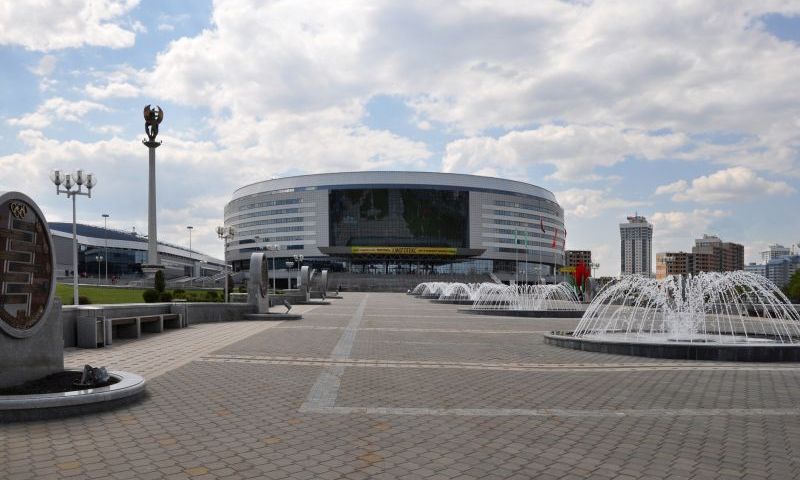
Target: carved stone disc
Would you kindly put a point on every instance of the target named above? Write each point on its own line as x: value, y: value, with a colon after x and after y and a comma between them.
x: 26, y: 265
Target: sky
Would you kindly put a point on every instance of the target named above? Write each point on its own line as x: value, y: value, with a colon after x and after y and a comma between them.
x: 686, y: 112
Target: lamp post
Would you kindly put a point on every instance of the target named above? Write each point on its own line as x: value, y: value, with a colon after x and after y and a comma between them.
x: 298, y: 260
x: 99, y: 259
x: 274, y: 248
x: 289, y: 265
x: 105, y: 227
x: 594, y: 267
x: 191, y: 260
x: 78, y: 179
x: 225, y: 234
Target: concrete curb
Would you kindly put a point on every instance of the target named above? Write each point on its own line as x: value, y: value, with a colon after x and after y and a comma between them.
x: 527, y: 313
x: 129, y: 388
x: 680, y: 351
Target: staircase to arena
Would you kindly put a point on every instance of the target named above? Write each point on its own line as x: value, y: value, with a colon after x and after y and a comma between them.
x: 365, y: 282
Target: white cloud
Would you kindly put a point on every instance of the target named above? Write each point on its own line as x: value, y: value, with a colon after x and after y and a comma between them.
x: 684, y: 224
x: 591, y: 203
x: 45, y: 66
x: 125, y: 81
x: 56, y: 109
x: 729, y: 185
x: 66, y: 24
x: 573, y: 150
x: 672, y: 188
x: 594, y: 86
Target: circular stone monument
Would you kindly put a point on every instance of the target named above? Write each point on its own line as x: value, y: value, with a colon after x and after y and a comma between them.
x: 31, y: 331
x: 31, y: 337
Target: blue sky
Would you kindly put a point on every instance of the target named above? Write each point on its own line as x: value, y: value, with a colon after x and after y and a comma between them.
x: 686, y: 113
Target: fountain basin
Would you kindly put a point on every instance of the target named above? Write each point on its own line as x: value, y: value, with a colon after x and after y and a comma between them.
x: 754, y: 350
x: 128, y: 388
x: 526, y: 313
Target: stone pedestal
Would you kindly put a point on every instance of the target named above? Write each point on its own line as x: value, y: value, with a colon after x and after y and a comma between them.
x: 31, y: 334
x: 34, y: 357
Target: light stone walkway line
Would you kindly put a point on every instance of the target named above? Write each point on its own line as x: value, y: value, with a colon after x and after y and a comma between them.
x: 155, y: 354
x: 555, y: 412
x: 325, y: 390
x: 515, y: 367
x: 424, y: 330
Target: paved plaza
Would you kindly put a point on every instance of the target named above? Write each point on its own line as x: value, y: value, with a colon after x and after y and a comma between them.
x: 384, y: 385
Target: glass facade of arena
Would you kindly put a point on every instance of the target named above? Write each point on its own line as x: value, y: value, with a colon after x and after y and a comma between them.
x: 399, y: 217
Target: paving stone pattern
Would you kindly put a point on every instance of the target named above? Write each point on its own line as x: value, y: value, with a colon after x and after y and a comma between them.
x: 389, y: 386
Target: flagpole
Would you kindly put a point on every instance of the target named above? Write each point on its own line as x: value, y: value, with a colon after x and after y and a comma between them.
x: 541, y: 226
x: 527, y: 244
x: 516, y: 258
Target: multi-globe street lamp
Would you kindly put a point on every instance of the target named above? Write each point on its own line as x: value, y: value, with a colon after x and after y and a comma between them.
x: 225, y: 234
x: 78, y: 179
x: 298, y: 260
x: 191, y: 260
x: 99, y: 259
x: 274, y: 248
x: 270, y: 247
x: 105, y: 228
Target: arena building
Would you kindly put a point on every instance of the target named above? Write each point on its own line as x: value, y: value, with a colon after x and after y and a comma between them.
x: 110, y: 253
x: 399, y: 223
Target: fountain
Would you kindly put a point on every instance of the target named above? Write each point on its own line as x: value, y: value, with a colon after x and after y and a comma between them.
x: 429, y: 289
x: 720, y: 316
x: 539, y: 300
x: 459, y: 293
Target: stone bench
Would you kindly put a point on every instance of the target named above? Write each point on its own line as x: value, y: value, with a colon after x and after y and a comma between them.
x: 94, y: 332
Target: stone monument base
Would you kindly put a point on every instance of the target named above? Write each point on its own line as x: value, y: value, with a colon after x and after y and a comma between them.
x: 34, y: 357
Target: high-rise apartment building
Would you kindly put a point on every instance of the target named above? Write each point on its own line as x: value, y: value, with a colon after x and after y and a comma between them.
x: 721, y: 256
x: 774, y: 251
x: 636, y: 246
x: 709, y: 254
x: 574, y: 257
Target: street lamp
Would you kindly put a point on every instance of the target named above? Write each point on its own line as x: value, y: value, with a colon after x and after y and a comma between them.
x: 99, y: 259
x: 274, y: 247
x: 594, y: 267
x: 191, y: 260
x: 225, y: 234
x: 79, y: 179
x: 271, y: 247
x: 105, y: 227
x: 289, y: 265
x: 298, y: 260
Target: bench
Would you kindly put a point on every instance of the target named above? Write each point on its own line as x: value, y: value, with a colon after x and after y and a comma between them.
x: 94, y: 332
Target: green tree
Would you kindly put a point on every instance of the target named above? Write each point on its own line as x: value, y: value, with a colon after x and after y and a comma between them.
x: 793, y: 288
x: 159, y: 283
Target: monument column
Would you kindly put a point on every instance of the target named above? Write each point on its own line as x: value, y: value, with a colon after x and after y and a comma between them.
x: 152, y: 226
x: 152, y: 119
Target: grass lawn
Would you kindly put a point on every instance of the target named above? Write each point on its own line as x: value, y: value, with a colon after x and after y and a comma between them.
x: 100, y: 295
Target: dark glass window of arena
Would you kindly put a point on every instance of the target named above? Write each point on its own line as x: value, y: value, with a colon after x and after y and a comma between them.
x: 399, y: 217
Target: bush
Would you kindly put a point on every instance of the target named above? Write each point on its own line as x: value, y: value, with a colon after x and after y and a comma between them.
x: 211, y: 295
x: 242, y: 289
x: 150, y: 295
x: 165, y: 297
x: 84, y: 300
x: 159, y: 284
x: 793, y: 288
x: 179, y: 293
